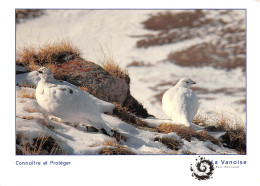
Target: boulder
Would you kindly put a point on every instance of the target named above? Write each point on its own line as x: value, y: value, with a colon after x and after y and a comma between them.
x: 94, y: 78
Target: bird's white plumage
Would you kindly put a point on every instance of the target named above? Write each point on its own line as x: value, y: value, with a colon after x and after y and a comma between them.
x: 180, y: 103
x: 67, y: 102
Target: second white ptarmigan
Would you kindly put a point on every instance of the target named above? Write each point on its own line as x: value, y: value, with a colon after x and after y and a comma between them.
x: 180, y: 103
x: 66, y: 102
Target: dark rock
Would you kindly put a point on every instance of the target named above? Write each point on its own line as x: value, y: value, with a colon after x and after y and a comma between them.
x: 133, y: 105
x: 99, y: 83
x: 211, y: 128
x: 118, y: 135
x: 93, y: 77
x: 225, y: 139
x: 91, y: 129
x: 20, y: 69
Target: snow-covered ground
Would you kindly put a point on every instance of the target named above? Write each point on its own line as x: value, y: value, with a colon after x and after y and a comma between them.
x: 117, y: 31
x: 73, y: 138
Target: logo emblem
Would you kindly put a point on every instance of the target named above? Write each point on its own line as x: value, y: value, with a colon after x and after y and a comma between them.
x: 202, y: 169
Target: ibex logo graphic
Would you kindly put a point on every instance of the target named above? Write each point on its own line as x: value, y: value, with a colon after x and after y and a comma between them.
x: 203, y: 169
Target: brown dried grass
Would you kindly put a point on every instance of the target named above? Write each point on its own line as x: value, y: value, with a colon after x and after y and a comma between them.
x: 24, y: 93
x: 43, y: 144
x: 32, y: 110
x: 49, y: 53
x: 84, y: 88
x: 235, y: 136
x: 110, y: 64
x: 168, y: 142
x: 115, y: 149
x: 186, y: 133
x: 28, y: 117
x: 205, y: 55
x: 168, y: 20
x: 125, y: 115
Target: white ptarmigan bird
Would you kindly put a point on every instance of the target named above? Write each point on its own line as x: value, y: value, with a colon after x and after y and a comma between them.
x: 66, y: 102
x: 180, y: 103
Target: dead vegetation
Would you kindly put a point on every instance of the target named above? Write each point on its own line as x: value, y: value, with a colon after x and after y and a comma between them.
x: 118, y: 136
x: 235, y: 137
x: 25, y: 93
x: 32, y: 110
x: 84, y: 88
x: 209, y: 54
x: 167, y: 20
x: 186, y: 133
x: 200, y: 120
x: 175, y: 27
x: 28, y: 117
x: 125, y: 115
x: 227, y: 50
x: 114, y: 148
x: 110, y: 64
x: 169, y: 143
x: 42, y: 145
x: 114, y: 69
x: 48, y: 54
x: 139, y: 64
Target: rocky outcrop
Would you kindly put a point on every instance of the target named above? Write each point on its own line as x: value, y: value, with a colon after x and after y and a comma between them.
x: 94, y: 78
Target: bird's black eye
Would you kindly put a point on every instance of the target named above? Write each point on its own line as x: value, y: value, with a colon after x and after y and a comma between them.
x: 187, y: 82
x: 40, y: 72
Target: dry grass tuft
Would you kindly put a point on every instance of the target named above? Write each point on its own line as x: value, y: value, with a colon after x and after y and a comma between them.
x: 200, y: 120
x: 110, y: 64
x: 114, y: 69
x: 41, y: 145
x: 118, y: 135
x: 110, y: 143
x: 119, y: 150
x: 115, y: 149
x: 36, y: 147
x: 27, y: 94
x: 124, y: 114
x: 188, y: 152
x: 28, y: 117
x: 186, y: 133
x: 84, y: 88
x: 50, y: 53
x: 236, y: 139
x: 235, y: 136
x: 32, y: 110
x: 168, y: 142
x: 22, y: 84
